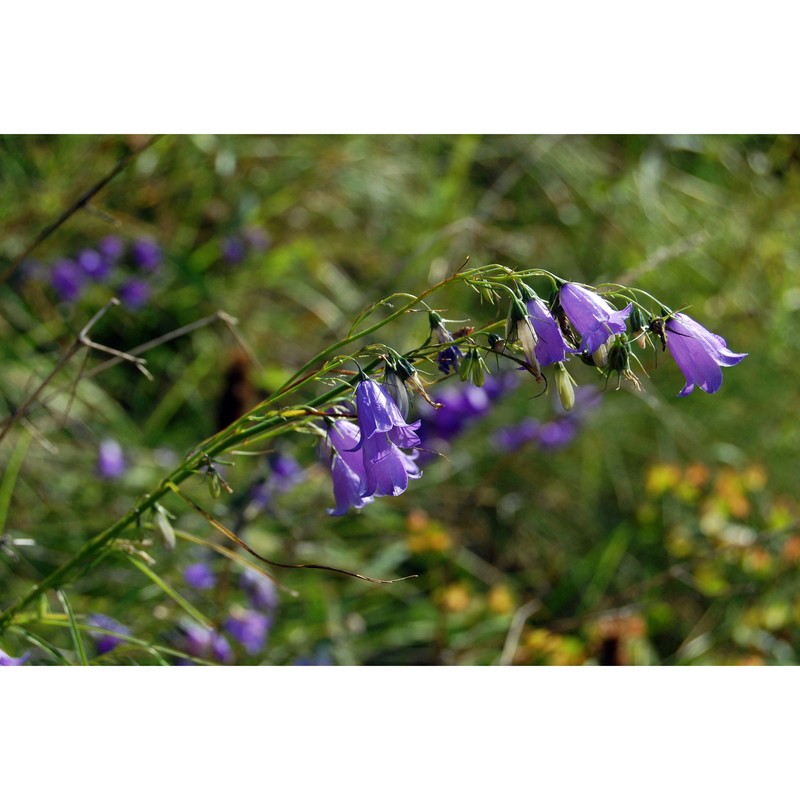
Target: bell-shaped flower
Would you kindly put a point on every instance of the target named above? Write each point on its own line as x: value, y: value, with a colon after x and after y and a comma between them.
x: 593, y: 317
x: 388, y: 468
x: 699, y: 353
x: 347, y: 468
x: 383, y: 432
x: 551, y: 346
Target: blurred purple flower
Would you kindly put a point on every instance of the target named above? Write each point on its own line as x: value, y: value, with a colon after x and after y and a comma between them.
x: 106, y: 642
x: 383, y: 432
x: 463, y: 404
x: 592, y: 316
x: 203, y: 643
x: 285, y: 472
x: 699, y: 353
x: 111, y: 248
x: 550, y: 345
x: 93, y: 264
x: 199, y: 576
x: 233, y: 249
x: 9, y: 661
x: 249, y: 628
x: 146, y: 254
x: 511, y: 437
x: 67, y: 279
x: 135, y: 293
x: 110, y: 460
x: 556, y: 433
x: 260, y: 590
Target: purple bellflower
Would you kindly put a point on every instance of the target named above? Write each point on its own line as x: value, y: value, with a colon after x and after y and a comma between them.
x: 595, y: 319
x: 111, y: 248
x: 260, y: 590
x: 110, y: 460
x: 199, y: 576
x: 203, y: 643
x: 134, y: 293
x: 249, y: 628
x: 67, y: 279
x: 105, y: 641
x: 9, y: 661
x: 347, y: 468
x: 146, y: 254
x: 383, y: 432
x: 699, y: 353
x: 93, y: 264
x: 550, y: 346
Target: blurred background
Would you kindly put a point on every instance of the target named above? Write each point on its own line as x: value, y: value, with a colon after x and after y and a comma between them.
x: 641, y: 528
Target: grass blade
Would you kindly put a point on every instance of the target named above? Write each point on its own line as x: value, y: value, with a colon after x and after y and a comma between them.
x: 10, y: 476
x: 74, y: 629
x: 172, y: 593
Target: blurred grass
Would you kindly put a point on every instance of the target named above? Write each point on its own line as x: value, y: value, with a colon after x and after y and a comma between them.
x: 620, y: 573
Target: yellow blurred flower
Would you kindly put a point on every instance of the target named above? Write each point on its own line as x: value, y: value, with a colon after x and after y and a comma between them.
x: 500, y: 600
x: 426, y: 535
x: 661, y: 478
x: 454, y: 598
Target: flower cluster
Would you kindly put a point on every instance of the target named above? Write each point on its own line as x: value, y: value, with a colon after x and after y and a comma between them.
x: 127, y: 267
x: 248, y: 625
x: 367, y: 460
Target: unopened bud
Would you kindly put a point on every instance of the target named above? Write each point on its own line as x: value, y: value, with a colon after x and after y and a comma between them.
x: 600, y: 356
x: 564, y: 384
x: 163, y: 527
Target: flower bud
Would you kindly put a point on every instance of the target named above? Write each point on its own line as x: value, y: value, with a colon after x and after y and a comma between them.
x: 638, y: 323
x: 163, y: 527
x: 395, y: 386
x: 564, y: 384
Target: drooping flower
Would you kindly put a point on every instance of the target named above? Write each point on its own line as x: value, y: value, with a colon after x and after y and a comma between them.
x: 698, y: 353
x: 383, y: 431
x: 347, y: 467
x: 260, y: 590
x: 249, y: 628
x: 200, y: 576
x: 105, y: 641
x: 592, y: 316
x: 551, y: 346
x: 9, y: 661
x: 110, y: 460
